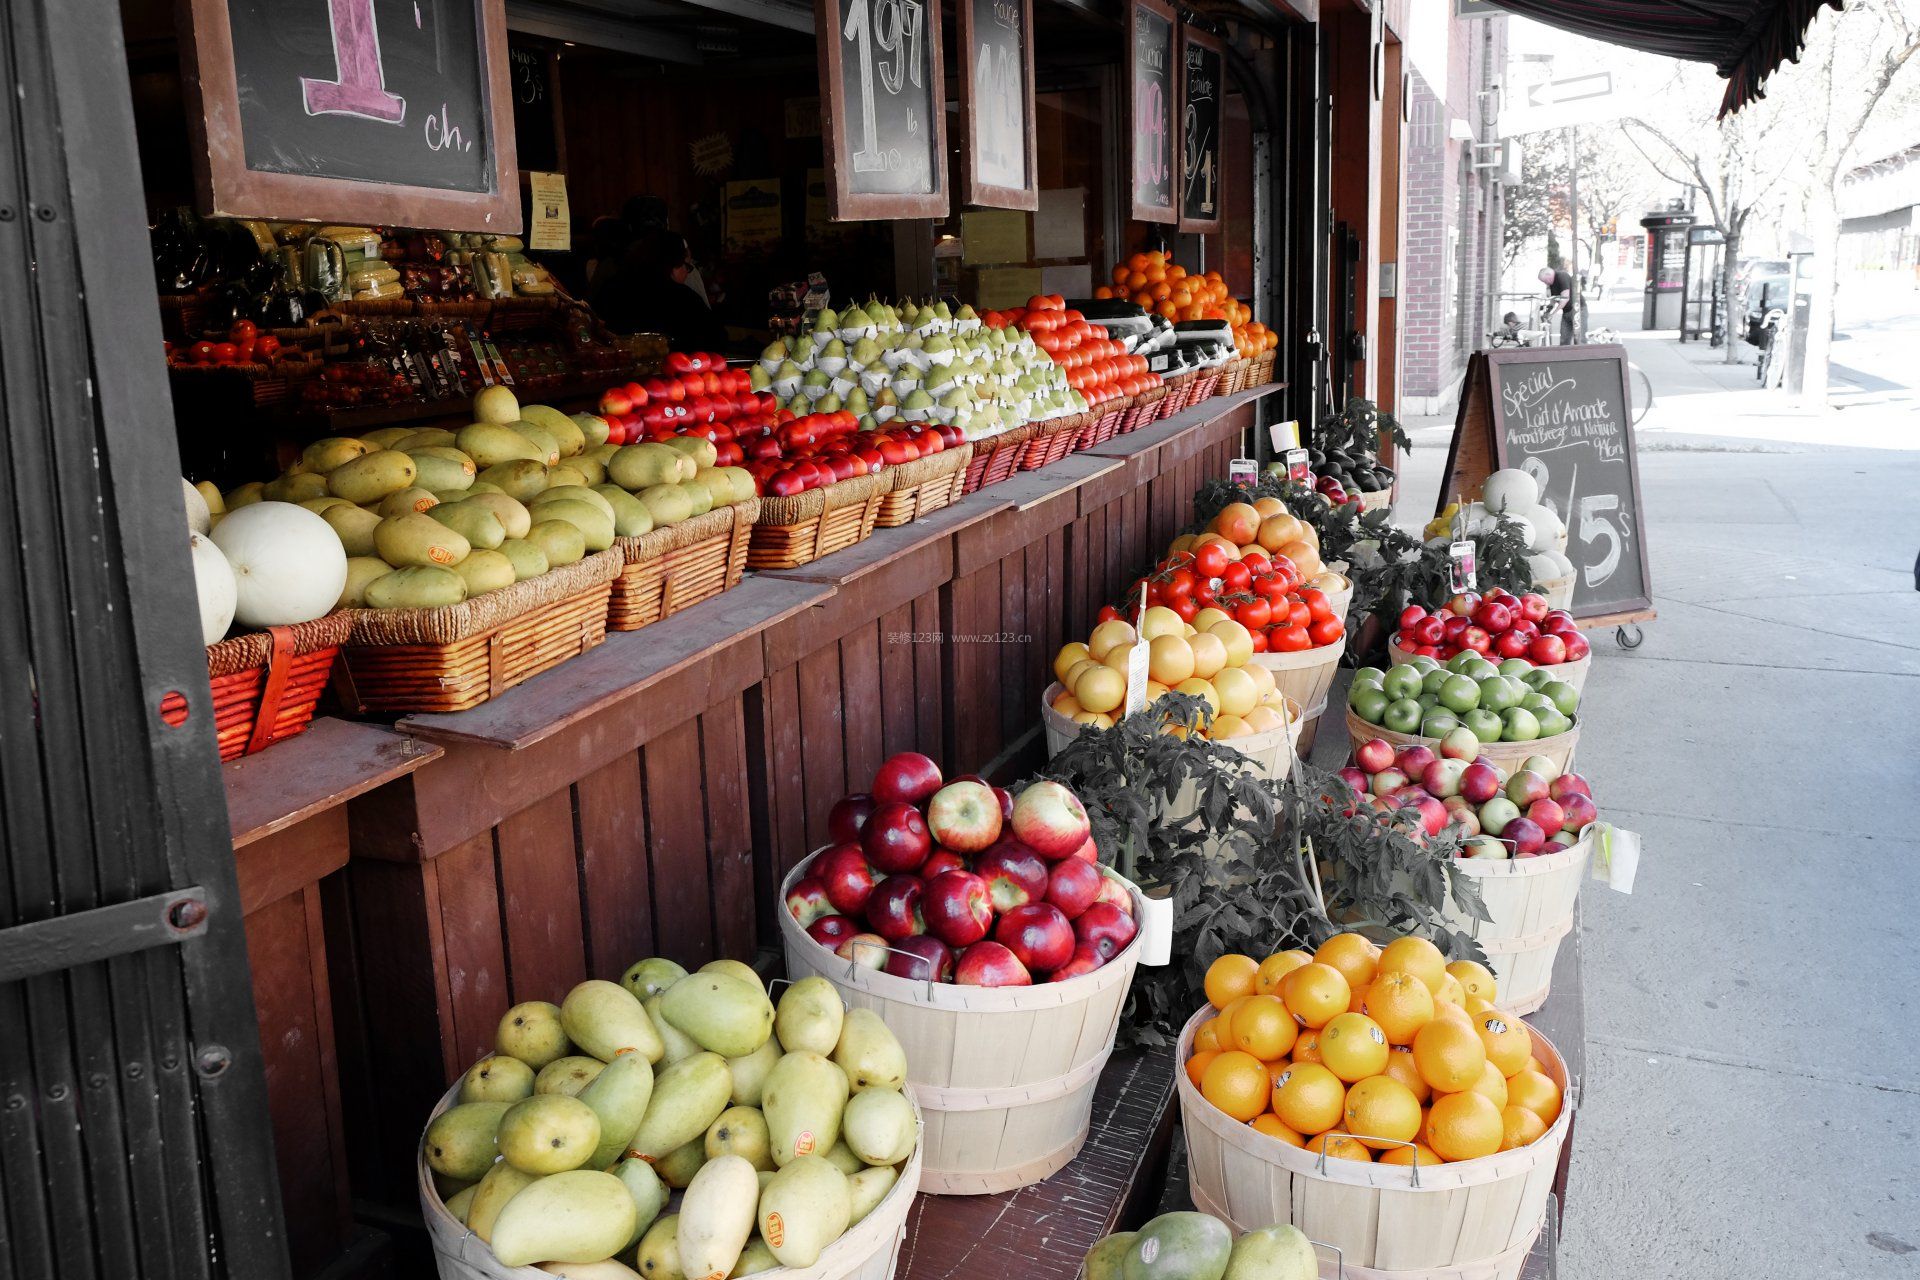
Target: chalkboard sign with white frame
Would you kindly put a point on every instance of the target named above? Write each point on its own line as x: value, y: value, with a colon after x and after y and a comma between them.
x: 996, y: 116
x: 1202, y: 96
x: 1153, y: 78
x: 884, y: 96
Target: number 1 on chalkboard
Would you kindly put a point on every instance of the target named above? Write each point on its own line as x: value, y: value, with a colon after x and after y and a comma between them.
x: 361, y: 89
x: 899, y: 36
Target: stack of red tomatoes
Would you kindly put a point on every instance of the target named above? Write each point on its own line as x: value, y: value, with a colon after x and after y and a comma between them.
x: 1097, y: 366
x: 699, y: 390
x: 1265, y: 594
x: 1496, y: 625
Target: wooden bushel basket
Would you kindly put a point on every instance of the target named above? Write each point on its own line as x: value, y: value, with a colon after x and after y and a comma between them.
x: 1531, y: 901
x: 1476, y: 1219
x: 923, y: 486
x: 868, y: 1251
x: 1376, y: 499
x: 1559, y: 591
x: 1507, y: 755
x: 1004, y: 1076
x: 1305, y: 677
x: 265, y: 684
x: 1574, y: 673
x: 1340, y: 599
x: 669, y: 569
x: 1310, y: 728
x: 800, y: 529
x: 455, y: 657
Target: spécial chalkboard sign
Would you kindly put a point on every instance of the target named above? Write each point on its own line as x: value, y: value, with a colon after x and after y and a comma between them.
x: 1563, y: 414
x: 1153, y: 78
x: 884, y: 96
x: 1202, y: 86
x: 996, y: 110
x: 357, y: 111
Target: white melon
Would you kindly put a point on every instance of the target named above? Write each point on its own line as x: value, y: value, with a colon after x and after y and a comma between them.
x: 288, y: 564
x: 213, y: 582
x: 199, y: 517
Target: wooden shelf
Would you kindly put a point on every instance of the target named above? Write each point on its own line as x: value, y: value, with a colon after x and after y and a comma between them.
x: 321, y: 769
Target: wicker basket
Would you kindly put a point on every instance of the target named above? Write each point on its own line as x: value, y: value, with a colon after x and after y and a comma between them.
x: 995, y: 458
x: 1053, y: 441
x: 1180, y: 389
x: 1506, y: 755
x: 1004, y: 1076
x: 670, y: 569
x: 1233, y: 376
x: 1207, y: 386
x: 1531, y: 902
x: 923, y: 486
x: 457, y: 656
x: 1573, y: 673
x: 1099, y: 430
x: 800, y: 529
x: 1305, y: 676
x: 1475, y: 1220
x: 265, y: 684
x: 1262, y: 372
x: 1145, y: 409
x: 869, y: 1250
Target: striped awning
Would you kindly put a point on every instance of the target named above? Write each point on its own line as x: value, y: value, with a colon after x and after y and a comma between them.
x: 1744, y: 39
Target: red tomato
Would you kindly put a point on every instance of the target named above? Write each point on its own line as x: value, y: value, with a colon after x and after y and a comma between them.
x: 1210, y: 561
x: 1298, y: 615
x: 1316, y: 601
x: 1236, y: 577
x: 1325, y: 631
x: 1178, y: 586
x: 1253, y: 614
x: 1107, y: 613
x: 243, y: 331
x: 1259, y: 642
x: 1185, y: 608
x: 1290, y: 639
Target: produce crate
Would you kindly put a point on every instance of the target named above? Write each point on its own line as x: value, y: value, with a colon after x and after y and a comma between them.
x: 1475, y: 1219
x: 1004, y: 1076
x: 1145, y: 409
x: 800, y: 529
x: 1305, y: 676
x: 923, y: 486
x: 1233, y: 376
x: 995, y: 458
x: 1262, y: 371
x: 1272, y: 753
x: 1530, y: 903
x: 455, y: 657
x: 265, y: 684
x: 670, y: 569
x: 1507, y: 755
x: 1052, y: 442
x: 1558, y: 591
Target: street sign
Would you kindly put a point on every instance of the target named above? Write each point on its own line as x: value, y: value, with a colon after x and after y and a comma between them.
x: 1557, y: 104
x: 1476, y: 9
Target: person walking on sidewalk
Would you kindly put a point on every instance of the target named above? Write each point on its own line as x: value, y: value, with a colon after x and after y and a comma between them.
x: 1560, y: 297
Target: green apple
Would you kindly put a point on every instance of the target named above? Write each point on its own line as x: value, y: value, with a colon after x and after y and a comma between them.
x: 1519, y: 725
x: 1542, y: 766
x: 1402, y: 715
x: 1537, y: 702
x: 1515, y: 667
x: 1402, y: 682
x: 1428, y: 702
x: 1486, y: 725
x: 1480, y: 669
x: 1367, y: 702
x: 1423, y: 663
x: 1536, y: 676
x: 1496, y: 813
x: 1438, y: 724
x: 1431, y: 682
x: 1459, y: 694
x: 1496, y: 694
x: 1565, y: 696
x: 1369, y: 675
x: 1462, y: 660
x: 1552, y: 722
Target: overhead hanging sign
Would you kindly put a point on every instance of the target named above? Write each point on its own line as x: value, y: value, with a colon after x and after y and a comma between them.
x: 347, y: 111
x: 1202, y: 89
x: 996, y: 66
x: 1153, y: 89
x: 885, y: 101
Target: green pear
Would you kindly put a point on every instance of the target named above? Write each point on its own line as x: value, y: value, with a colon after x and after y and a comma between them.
x: 604, y: 1019
x: 678, y: 1167
x: 803, y: 1099
x: 717, y: 1215
x: 497, y: 1078
x: 879, y: 1125
x: 567, y: 1076
x: 658, y: 1256
x: 720, y: 1012
x: 775, y: 350
x: 750, y: 1073
x: 648, y: 1192
x: 460, y: 1141
x: 835, y: 350
x: 810, y: 1016
x: 676, y: 1044
x: 758, y: 379
x: 502, y: 1183
x: 868, y: 1188
x: 687, y: 1097
x: 549, y: 1133
x: 869, y: 1053
x: 741, y: 1131
x: 803, y: 1209
x: 1273, y: 1253
x: 581, y: 1215
x: 828, y: 403
x: 532, y: 1032
x: 619, y: 1096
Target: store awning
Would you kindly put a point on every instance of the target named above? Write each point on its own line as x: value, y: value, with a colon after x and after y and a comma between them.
x: 1745, y: 40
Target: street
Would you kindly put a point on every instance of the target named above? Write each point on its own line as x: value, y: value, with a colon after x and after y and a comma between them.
x: 1753, y: 1095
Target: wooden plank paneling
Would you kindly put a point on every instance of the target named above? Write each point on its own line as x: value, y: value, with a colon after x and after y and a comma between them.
x: 723, y: 769
x: 540, y: 900
x: 899, y: 700
x: 676, y: 841
x: 972, y: 671
x: 823, y: 763
x: 860, y: 698
x: 615, y: 877
x: 929, y: 676
x: 474, y: 950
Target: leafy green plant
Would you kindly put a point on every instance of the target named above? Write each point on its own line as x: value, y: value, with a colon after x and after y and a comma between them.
x: 1358, y: 427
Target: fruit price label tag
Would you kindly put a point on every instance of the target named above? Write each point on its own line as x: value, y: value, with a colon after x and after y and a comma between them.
x: 1156, y: 926
x: 1137, y: 676
x: 1297, y: 468
x: 1616, y: 858
x: 1243, y: 471
x: 1285, y: 435
x: 1461, y: 575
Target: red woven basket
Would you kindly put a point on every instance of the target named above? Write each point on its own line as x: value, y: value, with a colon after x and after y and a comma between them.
x: 265, y: 684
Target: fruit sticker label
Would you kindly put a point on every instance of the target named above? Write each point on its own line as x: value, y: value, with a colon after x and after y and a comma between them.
x: 1243, y: 471
x: 1150, y: 1249
x: 1461, y: 570
x: 774, y: 1229
x: 803, y: 1145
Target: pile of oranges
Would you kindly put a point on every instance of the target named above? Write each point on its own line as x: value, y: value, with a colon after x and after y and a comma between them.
x: 1386, y: 1054
x: 1165, y: 287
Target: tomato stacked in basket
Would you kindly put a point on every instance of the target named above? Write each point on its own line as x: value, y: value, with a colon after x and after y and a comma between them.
x: 1268, y: 595
x: 1098, y: 366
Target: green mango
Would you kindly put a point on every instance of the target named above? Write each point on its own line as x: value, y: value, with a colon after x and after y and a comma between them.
x: 460, y: 1141
x: 606, y: 1021
x: 649, y: 977
x: 648, y: 1192
x: 520, y: 479
x: 568, y: 1076
x: 549, y: 1133
x: 803, y: 1101
x: 472, y: 520
x: 688, y: 1096
x: 490, y: 444
x: 741, y: 1131
x: 415, y: 587
x: 869, y: 1053
x: 1179, y: 1246
x: 750, y: 1073
x: 866, y: 1188
x: 460, y: 1204
x: 581, y: 1215
x: 630, y: 515
x: 717, y: 1216
x: 676, y: 1043
x: 805, y: 1207
x: 1104, y: 1259
x: 719, y: 1012
x: 658, y: 1255
x: 528, y: 560
x: 678, y: 1167
x: 497, y: 1078
x: 532, y: 1032
x: 562, y: 541
x: 1273, y: 1253
x: 485, y: 571
x: 418, y: 539
x: 809, y: 1016
x: 879, y: 1125
x: 368, y: 478
x: 502, y: 1183
x: 754, y: 1259
x: 619, y: 1095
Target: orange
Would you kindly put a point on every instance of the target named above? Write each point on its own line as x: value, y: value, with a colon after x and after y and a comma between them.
x: 1207, y: 1038
x: 1357, y: 1000
x: 1274, y: 1127
x: 1228, y: 977
x: 1236, y: 1083
x: 1509, y: 1043
x: 1401, y: 1066
x: 1401, y: 1004
x: 1535, y: 1090
x: 1520, y: 1127
x: 1197, y: 1065
x: 1465, y: 1126
x: 1475, y: 979
x: 1339, y: 1146
x: 1453, y: 1013
x: 1275, y: 967
x: 1417, y: 956
x: 1263, y: 1027
x: 1381, y: 1111
x: 1449, y: 1055
x: 1354, y: 956
x: 1307, y: 1047
x: 1315, y: 993
x: 1353, y: 1047
x: 1451, y: 992
x: 1419, y: 1153
x: 1309, y: 1098
x: 1120, y: 273
x: 1225, y: 1033
x: 1491, y: 1085
x: 1476, y: 1006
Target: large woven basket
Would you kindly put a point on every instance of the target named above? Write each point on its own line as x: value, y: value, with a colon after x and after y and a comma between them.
x: 1507, y: 755
x: 995, y: 458
x: 1233, y: 376
x: 1052, y: 441
x: 1574, y: 673
x: 1531, y: 902
x: 870, y: 1250
x: 457, y: 656
x: 1208, y: 385
x: 669, y: 569
x: 265, y: 683
x: 1145, y: 409
x: 1262, y: 372
x: 1180, y: 389
x: 1099, y: 429
x: 923, y: 486
x: 800, y: 529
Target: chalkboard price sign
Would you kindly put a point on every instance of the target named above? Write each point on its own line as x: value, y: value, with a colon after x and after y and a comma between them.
x: 996, y: 64
x: 1563, y: 415
x: 1202, y: 81
x: 535, y: 107
x: 357, y: 111
x: 1154, y: 80
x: 880, y: 74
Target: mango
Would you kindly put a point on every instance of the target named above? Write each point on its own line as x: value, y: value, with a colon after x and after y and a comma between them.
x: 575, y: 493
x: 649, y: 977
x: 497, y: 1078
x: 1179, y: 1246
x: 841, y: 1157
x: 1104, y: 1259
x: 354, y: 527
x: 658, y: 1256
x: 549, y: 1133
x: 619, y: 1095
x: 605, y: 1020
x: 630, y: 515
x: 868, y: 1188
x: 542, y: 440
x: 561, y: 541
x: 803, y: 1099
x: 719, y: 1012
x: 803, y: 1209
x: 361, y: 572
x: 594, y: 470
x: 371, y: 477
x: 566, y: 476
x: 407, y: 500
x: 210, y: 494
x: 460, y: 1204
x: 386, y: 437
x: 528, y: 560
x: 595, y: 525
x: 532, y: 1032
x: 485, y: 571
x: 424, y: 438
x: 519, y: 479
x: 490, y: 444
x: 605, y: 1269
x: 496, y: 403
x: 483, y: 486
x: 744, y: 485
x: 676, y: 1044
x: 699, y: 495
x: 750, y: 1073
x: 699, y: 448
x: 245, y: 495
x: 869, y: 1053
x: 565, y: 431
x: 668, y: 504
x: 416, y: 587
x: 332, y: 452
x: 460, y: 1141
x: 473, y: 520
x: 577, y: 1216
x: 416, y: 539
x: 319, y: 506
x: 568, y: 1076
x: 648, y: 1192
x: 297, y: 487
x: 1280, y: 1252
x: 879, y: 1125
x: 809, y: 1016
x: 735, y: 969
x: 636, y: 467
x: 593, y: 427
x: 443, y: 468
x: 719, y: 487
x: 717, y: 1216
x: 688, y: 1096
x: 678, y: 1167
x: 602, y: 453
x: 502, y: 1183
x: 741, y: 1131
x: 510, y: 512
x: 754, y: 1259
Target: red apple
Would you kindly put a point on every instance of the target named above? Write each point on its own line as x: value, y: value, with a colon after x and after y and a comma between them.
x: 1355, y: 777
x: 909, y: 778
x: 964, y: 816
x: 807, y: 900
x: 957, y: 909
x: 988, y: 964
x: 1512, y: 644
x: 1433, y: 815
x: 1386, y: 782
x: 1462, y: 815
x: 1004, y: 796
x: 1039, y: 935
x: 1115, y: 895
x: 1106, y: 928
x: 1476, y: 639
x: 831, y: 931
x: 1525, y: 835
x: 1088, y: 852
x: 1576, y: 811
x: 1548, y: 815
x: 921, y: 959
x: 1525, y: 787
x: 1442, y: 777
x: 1074, y: 885
x: 941, y: 861
x: 1050, y: 820
x: 850, y: 813
x: 1464, y: 604
x: 1492, y: 617
x: 895, y: 838
x: 1547, y: 651
x: 1373, y: 755
x: 1577, y: 646
x: 1479, y: 782
x: 1086, y: 958
x: 894, y: 910
x: 1014, y: 873
x: 869, y: 949
x: 1533, y: 606
x: 1569, y: 784
x: 847, y: 876
x: 1413, y: 760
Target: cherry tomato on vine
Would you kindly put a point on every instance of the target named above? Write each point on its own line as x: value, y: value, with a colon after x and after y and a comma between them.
x: 1236, y: 577
x: 1178, y: 586
x: 1185, y: 608
x: 1210, y: 561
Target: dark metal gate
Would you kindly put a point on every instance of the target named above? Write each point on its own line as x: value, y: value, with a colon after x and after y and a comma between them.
x: 134, y: 1136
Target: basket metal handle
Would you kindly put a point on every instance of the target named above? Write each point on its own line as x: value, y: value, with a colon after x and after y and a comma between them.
x: 853, y: 964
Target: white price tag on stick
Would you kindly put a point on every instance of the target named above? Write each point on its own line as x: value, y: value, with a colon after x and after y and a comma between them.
x: 1243, y: 471
x: 1156, y: 926
x: 1137, y: 663
x: 1616, y: 858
